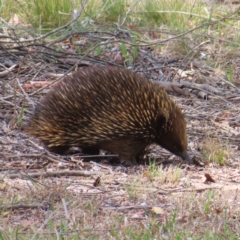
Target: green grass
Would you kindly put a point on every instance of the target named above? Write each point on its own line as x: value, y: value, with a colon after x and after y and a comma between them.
x: 164, y: 17
x: 47, y: 14
x: 229, y: 73
x: 173, y: 14
x: 127, y: 57
x: 8, y: 8
x: 112, y: 10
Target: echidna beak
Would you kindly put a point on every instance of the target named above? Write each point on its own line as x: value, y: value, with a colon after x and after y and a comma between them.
x: 184, y: 155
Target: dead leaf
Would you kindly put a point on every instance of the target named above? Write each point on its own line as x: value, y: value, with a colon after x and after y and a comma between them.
x: 209, y: 178
x: 97, y: 182
x: 3, y: 186
x: 218, y: 210
x: 146, y: 174
x: 157, y: 210
x: 191, y: 24
x: 71, y: 48
x: 182, y: 73
x: 38, y: 84
x: 5, y: 214
x: 154, y: 35
x: 225, y: 115
x: 117, y: 57
x: 26, y: 223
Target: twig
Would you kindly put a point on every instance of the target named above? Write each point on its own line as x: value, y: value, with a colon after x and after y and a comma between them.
x: 24, y: 206
x: 200, y: 189
x: 5, y: 22
x: 130, y: 207
x: 200, y: 87
x: 54, y: 174
x: 7, y: 71
x: 76, y: 15
x: 101, y: 166
x: 99, y: 156
x: 25, y: 94
x: 24, y: 155
x: 65, y: 208
x: 129, y: 10
x: 11, y: 104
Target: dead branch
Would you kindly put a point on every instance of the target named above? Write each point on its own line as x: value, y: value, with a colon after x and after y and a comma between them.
x: 200, y: 189
x: 8, y: 70
x: 130, y: 207
x: 24, y: 206
x: 173, y: 87
x: 53, y: 174
x: 200, y: 94
x: 12, y: 104
x: 197, y: 86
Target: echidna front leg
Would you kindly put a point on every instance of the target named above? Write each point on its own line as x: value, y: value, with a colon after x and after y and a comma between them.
x: 127, y: 150
x: 131, y: 156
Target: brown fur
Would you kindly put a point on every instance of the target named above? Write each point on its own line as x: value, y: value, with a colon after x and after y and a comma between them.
x: 112, y: 109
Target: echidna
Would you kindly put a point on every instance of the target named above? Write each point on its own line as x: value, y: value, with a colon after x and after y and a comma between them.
x: 112, y: 109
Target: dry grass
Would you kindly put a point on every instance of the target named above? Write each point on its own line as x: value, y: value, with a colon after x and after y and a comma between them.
x: 215, y: 151
x: 163, y: 175
x: 73, y: 210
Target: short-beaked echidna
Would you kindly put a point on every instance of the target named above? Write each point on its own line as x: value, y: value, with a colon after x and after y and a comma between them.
x: 112, y: 109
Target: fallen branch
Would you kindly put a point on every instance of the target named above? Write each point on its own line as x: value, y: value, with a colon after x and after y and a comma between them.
x: 7, y: 71
x: 130, y: 207
x: 173, y: 87
x: 197, y: 86
x: 200, y: 189
x: 200, y: 94
x: 53, y: 174
x: 24, y: 206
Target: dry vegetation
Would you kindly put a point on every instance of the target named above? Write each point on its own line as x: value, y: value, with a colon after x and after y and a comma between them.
x: 192, y: 47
